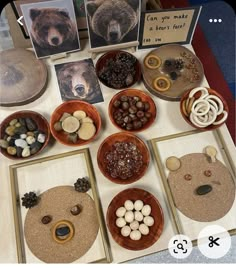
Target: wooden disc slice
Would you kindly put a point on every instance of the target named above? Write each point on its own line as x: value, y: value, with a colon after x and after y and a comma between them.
x: 22, y: 77
x: 188, y: 76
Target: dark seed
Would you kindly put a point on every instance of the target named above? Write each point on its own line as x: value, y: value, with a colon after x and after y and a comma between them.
x: 62, y: 231
x: 46, y: 219
x: 148, y: 115
x: 144, y: 120
x: 124, y: 98
x: 137, y: 124
x: 204, y: 189
x: 133, y: 110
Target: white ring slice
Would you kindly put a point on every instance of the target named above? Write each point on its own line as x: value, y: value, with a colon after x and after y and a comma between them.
x: 201, y: 104
x: 219, y: 101
x: 222, y: 119
x: 204, y: 92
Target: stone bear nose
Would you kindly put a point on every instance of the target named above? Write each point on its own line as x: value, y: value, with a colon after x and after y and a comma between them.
x: 79, y: 89
x: 113, y: 35
x: 55, y: 40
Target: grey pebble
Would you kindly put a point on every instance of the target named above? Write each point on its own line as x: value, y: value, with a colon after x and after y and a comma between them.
x: 30, y: 123
x: 35, y: 147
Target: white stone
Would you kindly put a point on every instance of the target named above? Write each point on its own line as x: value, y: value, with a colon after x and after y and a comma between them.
x: 129, y: 216
x: 30, y: 140
x: 149, y: 221
x: 23, y: 136
x: 143, y: 229
x: 138, y: 216
x: 21, y: 143
x: 135, y: 235
x: 129, y: 205
x: 120, y: 222
x: 146, y: 210
x: 26, y: 152
x: 41, y: 138
x: 138, y: 205
x: 120, y: 212
x: 134, y: 225
x: 125, y: 231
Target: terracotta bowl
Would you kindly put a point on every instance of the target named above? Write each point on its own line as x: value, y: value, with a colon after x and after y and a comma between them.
x: 196, y: 96
x: 155, y: 231
x: 144, y: 97
x: 106, y: 146
x: 41, y: 122
x: 112, y: 55
x: 70, y: 107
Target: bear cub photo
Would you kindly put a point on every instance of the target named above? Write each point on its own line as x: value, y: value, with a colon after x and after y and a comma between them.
x: 52, y: 29
x: 112, y: 22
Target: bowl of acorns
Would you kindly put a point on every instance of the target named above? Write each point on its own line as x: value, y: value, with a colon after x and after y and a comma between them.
x: 23, y: 134
x: 132, y: 110
x: 118, y: 69
x: 135, y: 219
x: 75, y: 123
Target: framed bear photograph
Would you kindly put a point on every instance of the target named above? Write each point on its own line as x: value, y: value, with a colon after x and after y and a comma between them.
x: 52, y: 27
x: 112, y: 22
x: 78, y: 81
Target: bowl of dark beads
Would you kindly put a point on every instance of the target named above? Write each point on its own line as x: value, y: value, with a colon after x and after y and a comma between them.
x: 23, y: 134
x: 118, y: 69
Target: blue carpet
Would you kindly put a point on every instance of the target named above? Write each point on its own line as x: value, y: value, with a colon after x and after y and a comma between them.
x: 220, y: 36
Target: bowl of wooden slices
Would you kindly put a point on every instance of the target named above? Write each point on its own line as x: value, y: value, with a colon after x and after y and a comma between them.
x: 75, y: 123
x: 204, y: 108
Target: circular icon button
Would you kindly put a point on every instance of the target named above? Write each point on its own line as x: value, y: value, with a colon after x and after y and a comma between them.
x: 214, y: 241
x: 180, y: 246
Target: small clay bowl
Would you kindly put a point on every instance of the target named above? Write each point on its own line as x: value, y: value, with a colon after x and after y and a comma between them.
x: 106, y: 146
x: 42, y: 125
x: 70, y: 107
x: 132, y: 93
x: 112, y: 55
x: 196, y: 96
x: 155, y: 231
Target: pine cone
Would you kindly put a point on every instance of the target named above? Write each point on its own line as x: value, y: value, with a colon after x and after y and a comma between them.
x: 29, y: 200
x: 82, y: 185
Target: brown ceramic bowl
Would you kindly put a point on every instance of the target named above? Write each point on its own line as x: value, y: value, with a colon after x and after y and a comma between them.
x: 106, y: 146
x: 155, y: 231
x: 70, y: 107
x: 196, y: 96
x: 112, y: 55
x: 143, y: 96
x: 41, y: 122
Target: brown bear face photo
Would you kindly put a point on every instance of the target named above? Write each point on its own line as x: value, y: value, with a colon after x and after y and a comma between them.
x: 203, y: 190
x: 62, y: 226
x: 52, y: 29
x: 78, y: 80
x: 112, y: 21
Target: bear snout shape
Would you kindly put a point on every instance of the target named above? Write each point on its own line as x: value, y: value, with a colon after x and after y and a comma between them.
x: 54, y: 37
x: 113, y: 32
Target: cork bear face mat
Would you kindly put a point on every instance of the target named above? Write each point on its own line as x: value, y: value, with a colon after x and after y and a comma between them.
x: 170, y: 70
x: 202, y: 190
x: 22, y: 77
x: 83, y: 228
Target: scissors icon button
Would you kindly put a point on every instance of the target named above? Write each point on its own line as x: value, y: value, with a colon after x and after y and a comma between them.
x: 213, y: 241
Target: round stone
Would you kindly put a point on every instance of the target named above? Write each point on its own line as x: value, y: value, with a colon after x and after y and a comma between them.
x: 26, y: 152
x: 21, y: 143
x: 11, y: 150
x: 138, y: 205
x: 135, y: 235
x: 129, y: 216
x: 125, y: 231
x: 146, y: 210
x: 120, y: 212
x: 143, y: 229
x: 173, y: 163
x: 134, y: 225
x: 129, y: 205
x: 120, y: 222
x: 148, y: 220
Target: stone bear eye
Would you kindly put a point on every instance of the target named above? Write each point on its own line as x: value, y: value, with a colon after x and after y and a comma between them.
x: 207, y: 173
x: 187, y: 177
x: 75, y: 210
x: 46, y: 219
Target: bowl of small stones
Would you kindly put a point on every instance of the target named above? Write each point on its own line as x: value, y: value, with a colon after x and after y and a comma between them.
x: 132, y: 110
x: 135, y: 219
x: 118, y: 69
x: 204, y: 108
x: 23, y: 134
x: 123, y: 158
x: 75, y: 123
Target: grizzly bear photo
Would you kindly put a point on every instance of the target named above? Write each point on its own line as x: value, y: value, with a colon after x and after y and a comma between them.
x: 112, y: 21
x: 78, y: 80
x: 52, y: 27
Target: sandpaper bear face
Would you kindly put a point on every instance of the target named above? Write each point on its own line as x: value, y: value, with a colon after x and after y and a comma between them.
x: 202, y: 190
x: 54, y: 233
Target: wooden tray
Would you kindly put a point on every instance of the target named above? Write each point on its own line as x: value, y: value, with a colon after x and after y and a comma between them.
x: 23, y: 78
x: 182, y: 83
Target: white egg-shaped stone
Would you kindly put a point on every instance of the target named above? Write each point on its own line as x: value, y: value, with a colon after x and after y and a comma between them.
x: 135, y: 235
x: 120, y: 212
x: 148, y: 220
x: 21, y: 143
x: 125, y: 231
x: 138, y: 216
x: 138, y: 205
x: 129, y: 216
x: 146, y: 210
x: 129, y: 205
x: 143, y: 228
x: 120, y: 222
x: 134, y: 225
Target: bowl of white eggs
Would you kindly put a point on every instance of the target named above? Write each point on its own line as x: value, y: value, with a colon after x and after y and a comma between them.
x: 135, y: 219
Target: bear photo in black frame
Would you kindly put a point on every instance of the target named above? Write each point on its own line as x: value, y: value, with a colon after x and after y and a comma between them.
x: 78, y: 80
x: 52, y: 27
x: 112, y: 22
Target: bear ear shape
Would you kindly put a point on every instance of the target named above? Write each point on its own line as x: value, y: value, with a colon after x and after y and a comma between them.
x: 173, y: 163
x: 34, y: 13
x: 30, y: 200
x: 64, y: 13
x: 91, y: 8
x: 133, y: 4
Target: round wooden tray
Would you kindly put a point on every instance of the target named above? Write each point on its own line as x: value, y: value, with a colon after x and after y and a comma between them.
x: 22, y: 77
x: 182, y: 83
x: 157, y: 213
